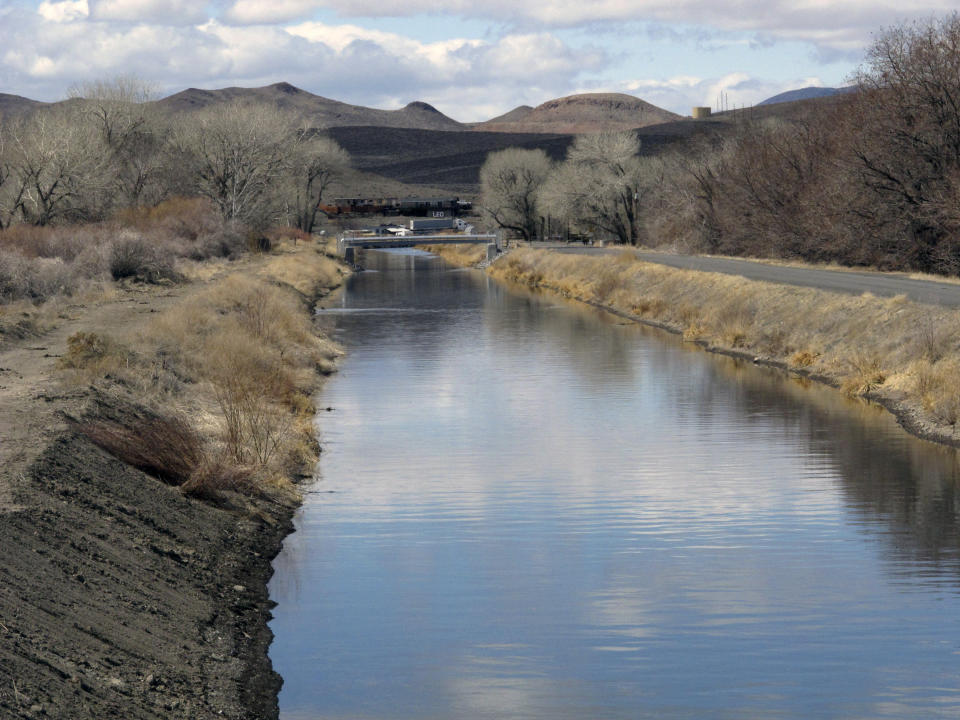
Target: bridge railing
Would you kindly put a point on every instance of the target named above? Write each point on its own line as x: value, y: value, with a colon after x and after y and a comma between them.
x: 347, y: 245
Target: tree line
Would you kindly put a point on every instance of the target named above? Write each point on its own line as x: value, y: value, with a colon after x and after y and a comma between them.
x: 872, y: 178
x: 108, y: 148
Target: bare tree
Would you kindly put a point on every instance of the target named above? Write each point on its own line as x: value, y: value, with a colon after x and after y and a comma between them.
x: 908, y: 150
x: 6, y: 214
x: 316, y: 163
x: 54, y: 168
x: 236, y: 156
x: 130, y: 132
x: 510, y: 182
x: 602, y: 184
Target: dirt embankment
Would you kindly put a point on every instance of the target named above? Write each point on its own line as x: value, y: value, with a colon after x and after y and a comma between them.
x: 902, y: 354
x: 122, y: 596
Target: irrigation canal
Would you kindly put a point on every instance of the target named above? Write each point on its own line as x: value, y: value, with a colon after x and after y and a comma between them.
x: 529, y: 509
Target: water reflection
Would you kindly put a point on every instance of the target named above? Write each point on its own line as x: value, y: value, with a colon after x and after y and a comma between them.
x: 900, y: 488
x: 539, y: 512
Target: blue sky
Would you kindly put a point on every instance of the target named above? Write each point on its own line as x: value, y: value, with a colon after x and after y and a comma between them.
x: 472, y: 60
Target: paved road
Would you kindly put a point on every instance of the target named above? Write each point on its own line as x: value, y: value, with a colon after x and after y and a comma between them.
x: 848, y: 281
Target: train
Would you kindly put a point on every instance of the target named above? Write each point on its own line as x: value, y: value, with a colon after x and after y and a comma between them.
x: 412, y: 207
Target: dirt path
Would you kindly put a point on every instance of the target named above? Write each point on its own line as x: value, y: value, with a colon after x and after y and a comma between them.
x: 32, y: 396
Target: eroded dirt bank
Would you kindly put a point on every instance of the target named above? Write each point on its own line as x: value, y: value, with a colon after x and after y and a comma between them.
x: 122, y: 596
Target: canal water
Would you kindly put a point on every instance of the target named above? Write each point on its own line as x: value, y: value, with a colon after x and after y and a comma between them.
x: 531, y: 509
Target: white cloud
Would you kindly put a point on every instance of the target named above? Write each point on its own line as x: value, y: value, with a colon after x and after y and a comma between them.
x: 467, y: 78
x: 170, y: 12
x: 65, y: 11
x: 252, y: 12
x: 841, y: 25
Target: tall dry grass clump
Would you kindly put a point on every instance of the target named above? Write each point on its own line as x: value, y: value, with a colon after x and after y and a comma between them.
x: 253, y: 344
x: 235, y: 363
x: 888, y: 348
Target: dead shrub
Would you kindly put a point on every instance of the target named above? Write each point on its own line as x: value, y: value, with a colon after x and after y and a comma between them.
x: 93, y: 356
x: 734, y: 322
x: 34, y: 279
x: 187, y: 217
x: 803, y: 358
x: 249, y: 382
x: 604, y: 285
x: 865, y: 374
x: 162, y: 445
x: 216, y: 475
x: 133, y: 256
x: 82, y: 349
x: 946, y: 409
x: 933, y: 340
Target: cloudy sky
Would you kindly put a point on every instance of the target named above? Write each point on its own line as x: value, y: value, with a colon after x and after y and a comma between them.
x: 472, y: 59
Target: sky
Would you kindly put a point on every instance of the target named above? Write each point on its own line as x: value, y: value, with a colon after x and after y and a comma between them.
x: 471, y: 59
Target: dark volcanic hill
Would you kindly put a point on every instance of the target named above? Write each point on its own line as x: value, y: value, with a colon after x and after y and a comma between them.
x: 319, y: 112
x: 453, y: 159
x: 592, y: 112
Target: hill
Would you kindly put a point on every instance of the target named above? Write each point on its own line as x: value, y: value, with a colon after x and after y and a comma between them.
x: 319, y: 112
x: 11, y: 105
x: 452, y: 160
x: 591, y: 112
x: 807, y: 93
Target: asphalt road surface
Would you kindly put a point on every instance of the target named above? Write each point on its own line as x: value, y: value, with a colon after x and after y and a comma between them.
x: 854, y: 282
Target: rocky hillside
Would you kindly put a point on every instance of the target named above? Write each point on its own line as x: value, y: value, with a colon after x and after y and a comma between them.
x: 592, y: 112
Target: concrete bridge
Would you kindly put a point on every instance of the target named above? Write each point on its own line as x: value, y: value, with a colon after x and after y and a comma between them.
x: 348, y: 246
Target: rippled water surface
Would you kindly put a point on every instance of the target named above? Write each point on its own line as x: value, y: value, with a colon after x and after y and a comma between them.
x: 529, y: 509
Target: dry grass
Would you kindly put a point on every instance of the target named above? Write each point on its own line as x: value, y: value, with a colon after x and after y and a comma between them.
x: 466, y: 255
x: 253, y: 344
x: 240, y: 358
x: 885, y: 347
x: 308, y: 270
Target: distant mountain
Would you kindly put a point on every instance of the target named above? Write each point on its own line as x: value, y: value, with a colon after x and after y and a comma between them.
x: 807, y: 93
x: 592, y: 112
x: 319, y: 112
x: 516, y: 115
x: 11, y: 105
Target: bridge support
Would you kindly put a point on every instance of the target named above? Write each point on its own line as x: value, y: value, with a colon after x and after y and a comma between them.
x: 492, y: 252
x: 350, y: 255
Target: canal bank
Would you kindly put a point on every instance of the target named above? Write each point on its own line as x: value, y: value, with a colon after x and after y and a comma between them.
x: 141, y: 593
